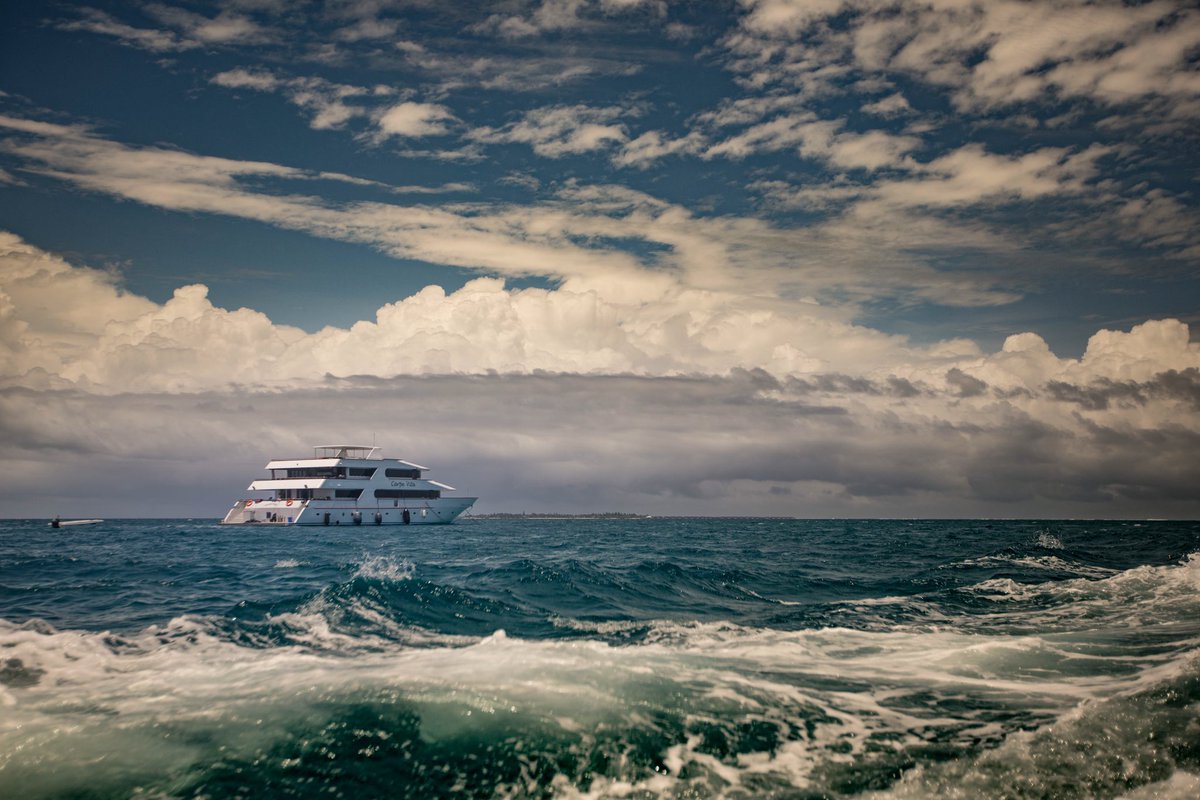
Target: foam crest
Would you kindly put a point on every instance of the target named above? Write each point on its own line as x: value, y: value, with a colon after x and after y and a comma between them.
x: 385, y: 568
x: 604, y: 628
x: 1181, y: 785
x: 357, y: 625
x: 1049, y: 541
x: 712, y: 708
x: 1145, y: 595
x: 1138, y: 745
x: 704, y: 708
x: 1037, y: 564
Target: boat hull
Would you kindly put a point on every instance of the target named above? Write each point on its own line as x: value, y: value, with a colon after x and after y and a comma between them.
x: 435, y: 511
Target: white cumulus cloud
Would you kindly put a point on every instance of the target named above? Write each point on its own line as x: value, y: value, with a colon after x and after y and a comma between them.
x: 411, y: 120
x: 561, y: 130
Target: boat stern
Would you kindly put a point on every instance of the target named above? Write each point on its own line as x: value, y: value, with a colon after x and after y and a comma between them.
x: 238, y: 514
x: 263, y: 512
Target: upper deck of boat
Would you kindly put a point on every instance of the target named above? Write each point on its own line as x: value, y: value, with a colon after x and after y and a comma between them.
x: 338, y: 455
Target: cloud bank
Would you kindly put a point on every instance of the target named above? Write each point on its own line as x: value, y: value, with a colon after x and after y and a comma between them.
x: 565, y: 401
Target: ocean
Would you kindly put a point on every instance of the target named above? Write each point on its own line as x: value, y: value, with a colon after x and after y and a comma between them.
x: 641, y: 658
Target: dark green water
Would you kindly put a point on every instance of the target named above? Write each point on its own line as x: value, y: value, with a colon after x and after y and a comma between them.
x: 607, y: 658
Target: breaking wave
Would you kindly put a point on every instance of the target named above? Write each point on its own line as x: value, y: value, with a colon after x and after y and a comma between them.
x: 390, y: 683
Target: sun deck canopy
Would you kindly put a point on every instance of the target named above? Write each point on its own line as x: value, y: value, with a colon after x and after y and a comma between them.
x: 347, y: 461
x: 360, y: 451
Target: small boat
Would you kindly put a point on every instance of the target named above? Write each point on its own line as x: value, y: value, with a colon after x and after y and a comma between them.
x: 347, y: 485
x: 62, y: 523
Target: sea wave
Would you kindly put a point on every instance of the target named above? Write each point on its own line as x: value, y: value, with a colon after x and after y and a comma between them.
x: 384, y: 601
x: 1136, y: 745
x: 710, y: 708
x: 1037, y: 565
x: 526, y: 678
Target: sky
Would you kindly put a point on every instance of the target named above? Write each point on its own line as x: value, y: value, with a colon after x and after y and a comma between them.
x: 813, y: 258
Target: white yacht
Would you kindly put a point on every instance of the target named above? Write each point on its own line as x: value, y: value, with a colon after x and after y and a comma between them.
x: 347, y: 485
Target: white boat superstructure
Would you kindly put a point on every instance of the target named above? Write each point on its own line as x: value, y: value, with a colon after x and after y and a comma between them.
x: 347, y: 485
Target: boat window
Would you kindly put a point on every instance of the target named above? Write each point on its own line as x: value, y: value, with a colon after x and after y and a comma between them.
x: 403, y: 473
x: 314, y: 472
x: 390, y: 493
x: 361, y: 472
x: 351, y: 493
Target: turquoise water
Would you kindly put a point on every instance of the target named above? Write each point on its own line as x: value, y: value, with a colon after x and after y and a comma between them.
x: 601, y: 658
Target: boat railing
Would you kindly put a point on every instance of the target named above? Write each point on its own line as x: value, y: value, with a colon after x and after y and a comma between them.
x: 319, y: 477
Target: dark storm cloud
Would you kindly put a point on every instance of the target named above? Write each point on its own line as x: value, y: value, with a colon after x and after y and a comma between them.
x: 964, y: 384
x: 1182, y: 385
x: 902, y: 387
x: 836, y: 383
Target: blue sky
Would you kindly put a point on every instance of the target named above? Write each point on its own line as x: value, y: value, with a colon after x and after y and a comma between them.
x: 507, y: 103
x: 859, y: 188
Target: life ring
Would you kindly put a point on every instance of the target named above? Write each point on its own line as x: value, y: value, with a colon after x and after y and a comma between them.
x: 289, y: 502
x: 249, y: 503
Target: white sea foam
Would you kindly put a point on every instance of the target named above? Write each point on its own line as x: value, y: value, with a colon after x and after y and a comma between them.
x: 1049, y: 541
x: 733, y: 675
x: 91, y: 710
x: 385, y: 568
x: 288, y: 563
x: 1038, y: 563
x: 606, y: 627
x: 1180, y: 786
x: 1137, y: 597
x: 314, y: 625
x: 1122, y: 746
